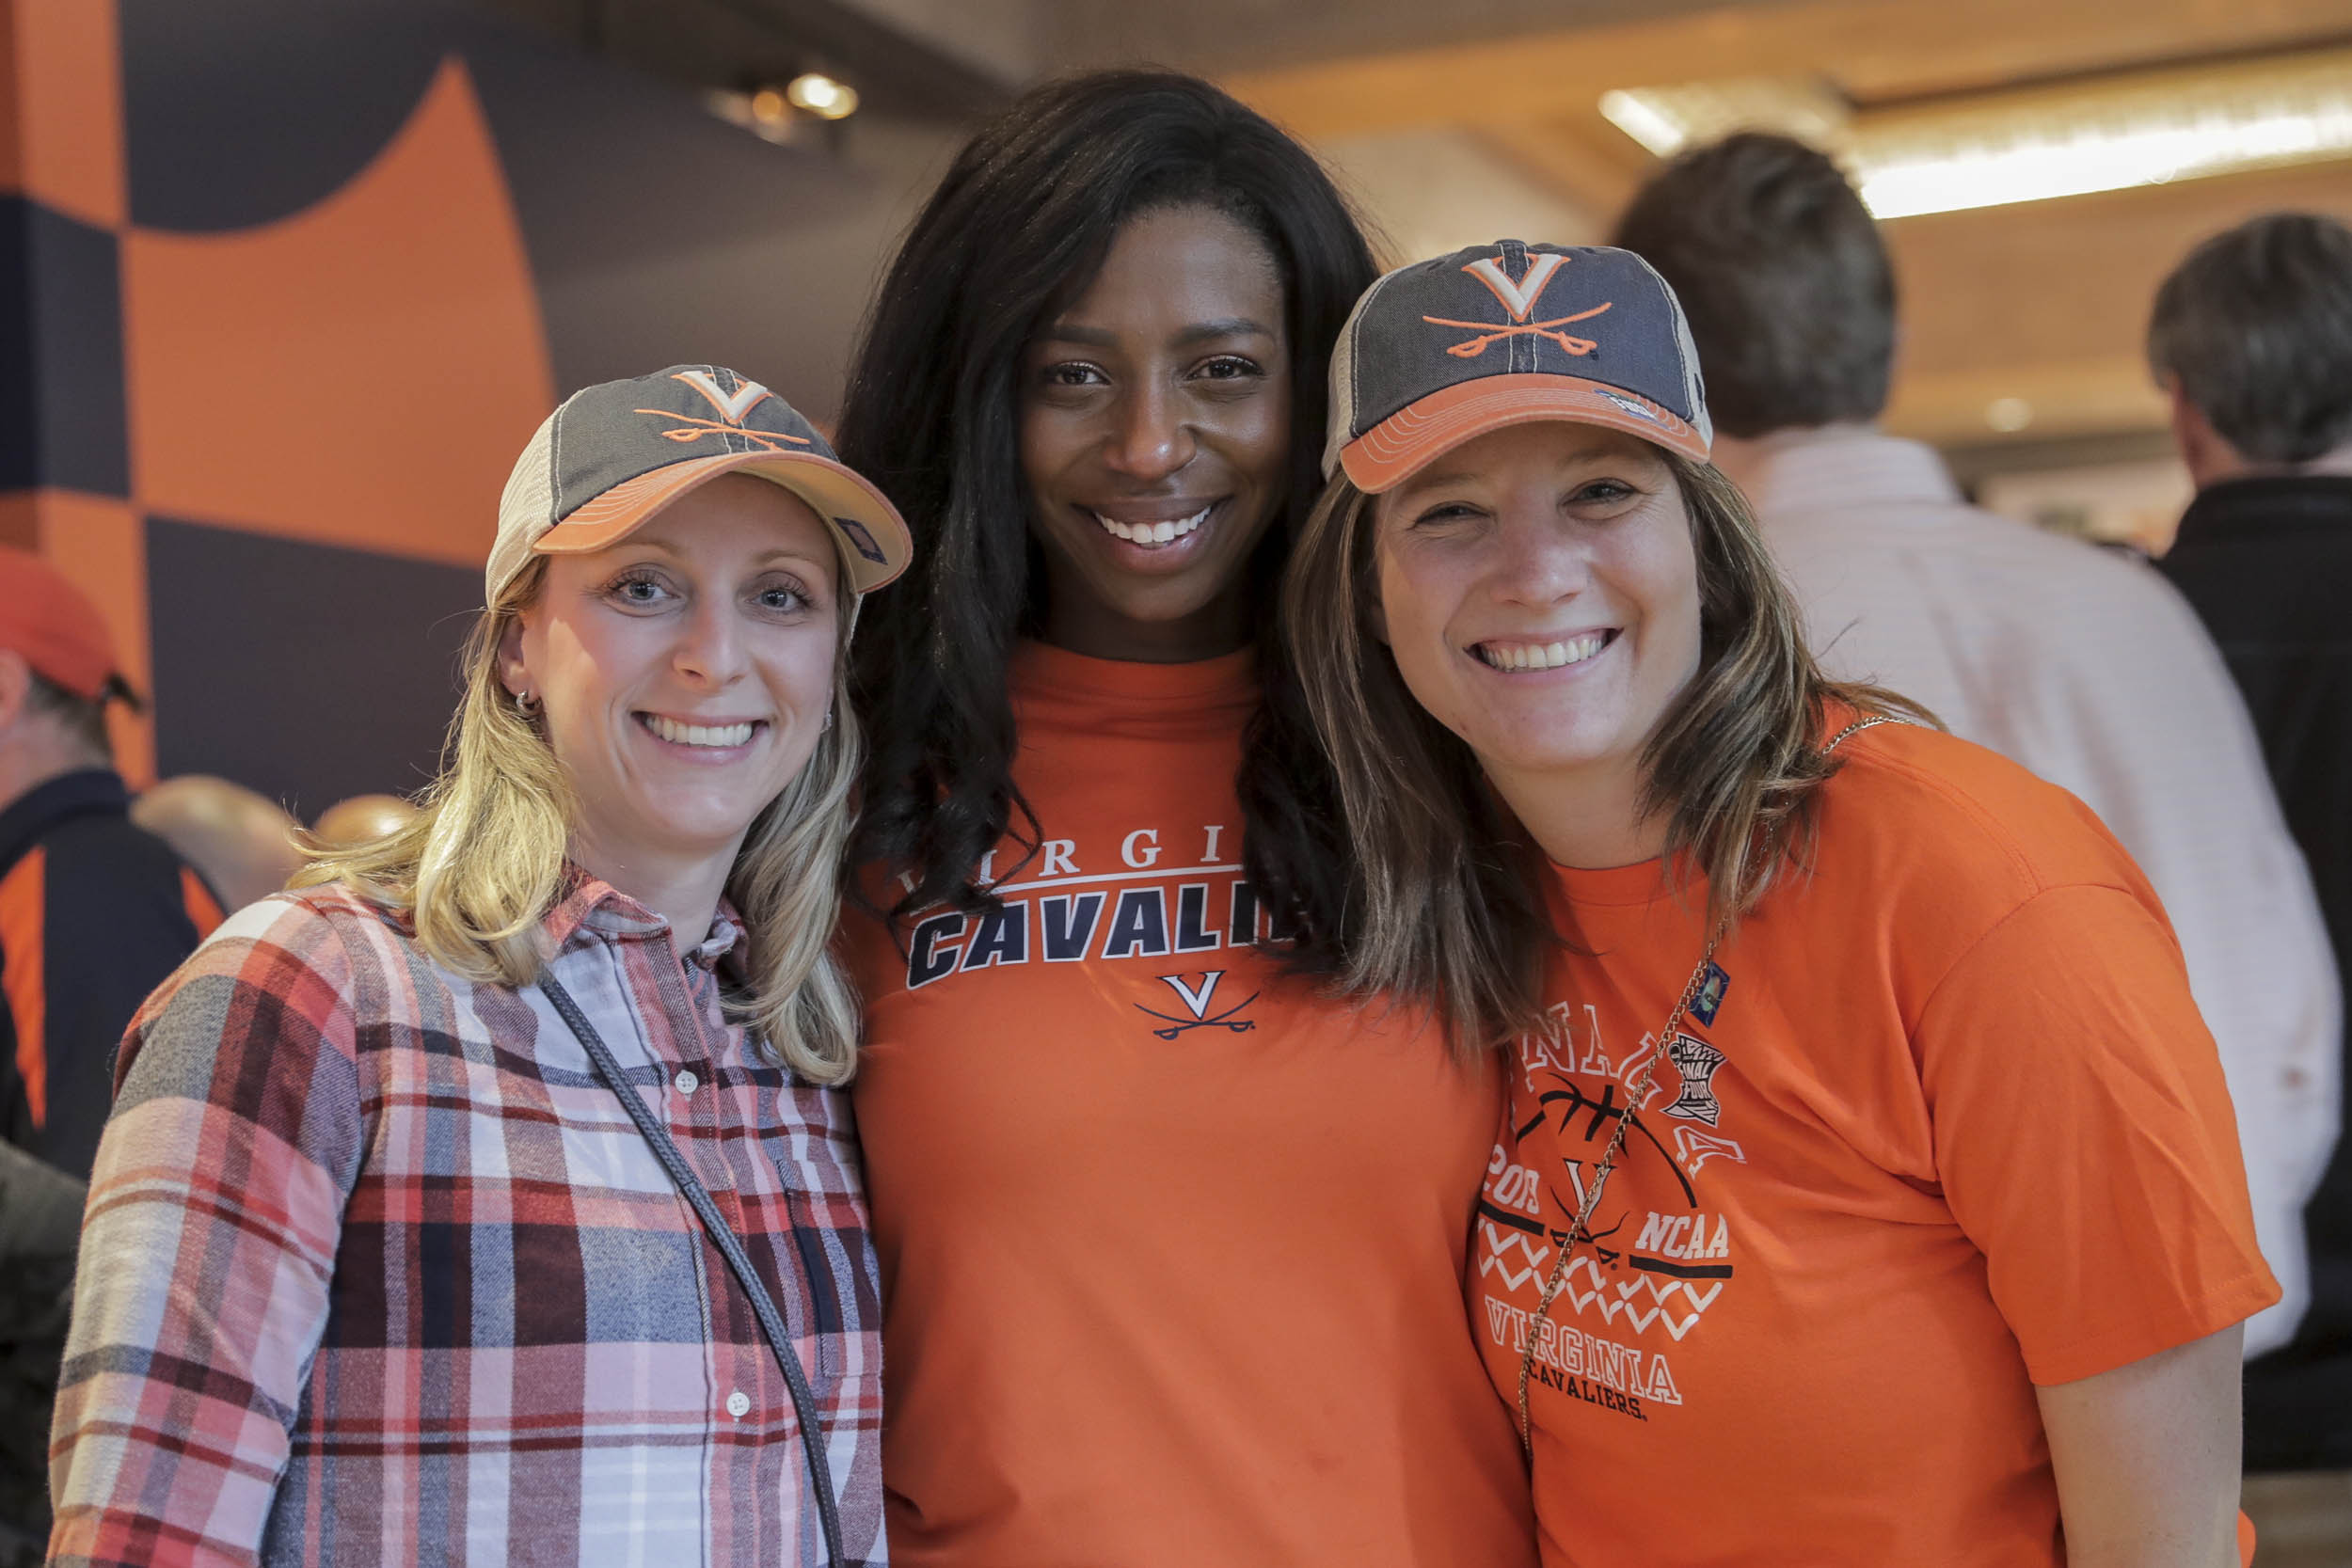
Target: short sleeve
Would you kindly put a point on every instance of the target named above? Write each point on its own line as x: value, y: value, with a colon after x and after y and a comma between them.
x: 2084, y: 1137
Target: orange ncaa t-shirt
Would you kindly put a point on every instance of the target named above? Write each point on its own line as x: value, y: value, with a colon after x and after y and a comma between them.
x: 1945, y: 1124
x: 1172, y: 1248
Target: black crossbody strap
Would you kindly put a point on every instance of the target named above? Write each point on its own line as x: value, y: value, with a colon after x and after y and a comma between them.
x: 722, y: 1236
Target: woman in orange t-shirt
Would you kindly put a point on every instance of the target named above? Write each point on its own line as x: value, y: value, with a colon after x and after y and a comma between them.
x: 1171, y: 1246
x: 1869, y: 1192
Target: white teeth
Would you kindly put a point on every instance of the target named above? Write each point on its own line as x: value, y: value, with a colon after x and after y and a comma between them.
x: 1542, y: 656
x: 698, y: 735
x: 1152, y: 534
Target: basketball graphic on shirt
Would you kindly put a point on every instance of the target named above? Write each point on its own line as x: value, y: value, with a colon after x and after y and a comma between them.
x: 1657, y: 1255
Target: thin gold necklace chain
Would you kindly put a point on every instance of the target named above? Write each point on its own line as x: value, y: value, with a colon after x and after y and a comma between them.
x: 1637, y: 1096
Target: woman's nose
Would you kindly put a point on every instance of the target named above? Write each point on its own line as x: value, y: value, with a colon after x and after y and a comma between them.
x: 1540, y: 563
x: 710, y: 646
x: 1151, y: 439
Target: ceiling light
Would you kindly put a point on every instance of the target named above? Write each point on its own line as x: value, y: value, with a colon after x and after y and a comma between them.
x: 2032, y: 144
x: 822, y: 96
x: 2009, y: 414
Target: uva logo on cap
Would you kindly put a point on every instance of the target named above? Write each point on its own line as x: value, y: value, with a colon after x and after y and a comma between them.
x: 732, y: 407
x: 1519, y: 299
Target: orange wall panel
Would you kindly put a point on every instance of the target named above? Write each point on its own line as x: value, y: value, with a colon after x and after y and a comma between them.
x: 362, y: 374
x: 62, y: 120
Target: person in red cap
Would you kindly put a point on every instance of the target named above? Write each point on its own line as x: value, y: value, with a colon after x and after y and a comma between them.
x: 93, y: 914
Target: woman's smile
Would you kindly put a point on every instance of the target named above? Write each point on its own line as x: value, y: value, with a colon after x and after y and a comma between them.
x: 704, y: 740
x: 1536, y: 655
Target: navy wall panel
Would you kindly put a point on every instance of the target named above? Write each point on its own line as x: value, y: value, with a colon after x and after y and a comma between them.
x: 309, y: 672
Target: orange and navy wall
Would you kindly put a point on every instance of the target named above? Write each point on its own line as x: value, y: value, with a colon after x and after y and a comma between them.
x: 285, y: 287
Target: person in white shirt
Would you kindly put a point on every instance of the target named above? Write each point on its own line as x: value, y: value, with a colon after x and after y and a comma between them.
x: 2080, y: 664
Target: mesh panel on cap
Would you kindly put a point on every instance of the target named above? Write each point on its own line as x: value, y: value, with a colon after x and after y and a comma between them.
x: 1694, y: 379
x: 1342, y: 390
x: 525, y: 510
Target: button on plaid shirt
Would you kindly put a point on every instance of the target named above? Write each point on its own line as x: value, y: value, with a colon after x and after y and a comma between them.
x: 376, y: 1271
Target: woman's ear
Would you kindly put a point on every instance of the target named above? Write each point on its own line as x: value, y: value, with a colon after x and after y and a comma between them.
x: 16, y: 686
x: 514, y: 673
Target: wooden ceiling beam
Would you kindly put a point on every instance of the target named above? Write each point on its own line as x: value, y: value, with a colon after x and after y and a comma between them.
x: 1873, y: 49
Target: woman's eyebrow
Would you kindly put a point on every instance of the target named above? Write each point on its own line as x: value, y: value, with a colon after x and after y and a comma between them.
x: 1436, y: 479
x: 1230, y: 327
x: 1098, y: 337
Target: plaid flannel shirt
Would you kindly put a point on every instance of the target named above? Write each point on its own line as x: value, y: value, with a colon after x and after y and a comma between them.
x: 376, y: 1271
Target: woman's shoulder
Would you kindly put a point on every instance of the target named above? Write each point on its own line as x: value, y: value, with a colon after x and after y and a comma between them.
x: 287, y: 978
x: 1914, y: 805
x: 331, y: 928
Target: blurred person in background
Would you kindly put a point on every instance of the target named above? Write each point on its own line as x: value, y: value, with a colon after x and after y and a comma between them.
x: 2251, y: 338
x: 40, y: 1225
x: 385, y: 1260
x: 362, y: 817
x: 93, y: 914
x: 240, y: 839
x: 2080, y: 664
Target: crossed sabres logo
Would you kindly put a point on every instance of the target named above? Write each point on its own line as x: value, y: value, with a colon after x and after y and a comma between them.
x: 1519, y: 299
x: 732, y: 407
x: 1198, y: 1000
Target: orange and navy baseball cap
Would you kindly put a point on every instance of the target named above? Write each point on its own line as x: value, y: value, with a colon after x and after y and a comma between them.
x: 58, y: 630
x: 1442, y: 352
x: 613, y: 455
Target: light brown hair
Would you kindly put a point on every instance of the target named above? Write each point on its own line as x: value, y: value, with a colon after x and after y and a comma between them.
x: 1443, y: 906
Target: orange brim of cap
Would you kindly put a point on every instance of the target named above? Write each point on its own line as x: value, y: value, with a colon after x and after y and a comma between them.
x: 873, y: 537
x: 1392, y: 450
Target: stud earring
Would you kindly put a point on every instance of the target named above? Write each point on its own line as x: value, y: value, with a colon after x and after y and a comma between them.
x: 527, y: 704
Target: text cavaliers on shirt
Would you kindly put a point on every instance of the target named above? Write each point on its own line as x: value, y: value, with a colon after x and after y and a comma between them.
x: 1131, y: 907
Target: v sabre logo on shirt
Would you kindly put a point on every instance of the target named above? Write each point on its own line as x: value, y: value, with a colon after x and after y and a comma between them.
x: 1198, y: 999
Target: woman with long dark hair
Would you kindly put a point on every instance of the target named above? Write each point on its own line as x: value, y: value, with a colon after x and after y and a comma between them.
x: 1171, y: 1244
x: 1869, y: 1192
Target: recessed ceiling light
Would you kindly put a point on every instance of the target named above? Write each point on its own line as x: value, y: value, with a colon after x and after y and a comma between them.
x: 822, y: 96
x: 2028, y: 144
x: 2007, y: 415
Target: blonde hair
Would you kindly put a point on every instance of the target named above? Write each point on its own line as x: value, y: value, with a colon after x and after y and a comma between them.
x: 482, y: 864
x: 1443, y: 904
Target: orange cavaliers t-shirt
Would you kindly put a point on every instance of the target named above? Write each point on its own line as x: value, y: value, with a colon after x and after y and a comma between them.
x: 1171, y: 1249
x: 1944, y: 1125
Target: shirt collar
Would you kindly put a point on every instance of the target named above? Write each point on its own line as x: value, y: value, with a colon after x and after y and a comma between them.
x: 2266, y: 502
x: 1844, y: 467
x: 591, y: 908
x: 86, y: 792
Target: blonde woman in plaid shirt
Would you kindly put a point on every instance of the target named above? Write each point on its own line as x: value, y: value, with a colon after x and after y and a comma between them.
x: 377, y: 1267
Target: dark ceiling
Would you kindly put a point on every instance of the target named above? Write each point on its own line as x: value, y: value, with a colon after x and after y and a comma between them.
x: 747, y: 44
